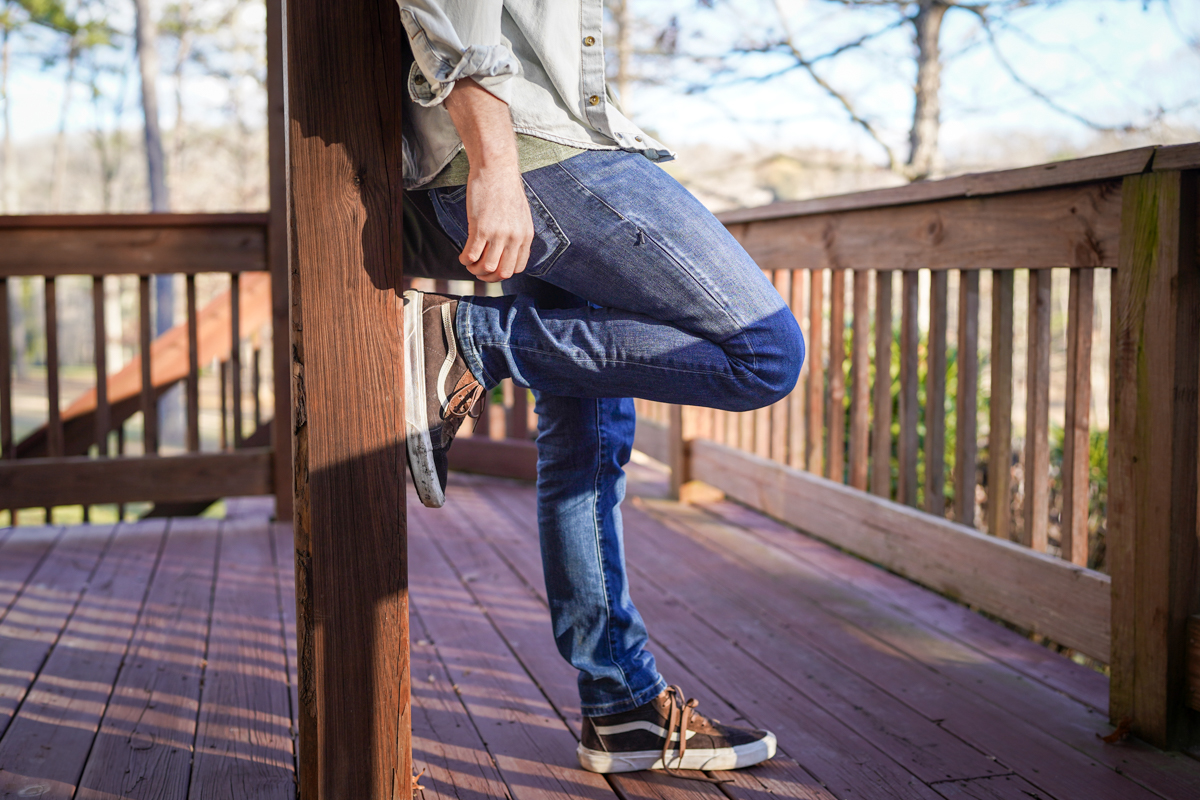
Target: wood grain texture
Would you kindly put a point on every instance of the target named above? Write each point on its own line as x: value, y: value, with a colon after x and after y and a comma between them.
x: 935, y: 395
x: 345, y: 87
x: 54, y: 425
x: 1153, y: 465
x: 506, y: 458
x: 120, y: 244
x: 6, y: 420
x: 149, y: 404
x: 277, y: 263
x: 1064, y: 602
x: 144, y: 746
x: 910, y: 340
x: 1074, y: 226
x: 103, y: 423
x: 243, y: 748
x: 778, y: 422
x: 79, y: 480
x: 836, y: 423
x: 797, y: 454
x: 966, y: 398
x: 860, y: 382
x: 1062, y: 173
x: 235, y: 356
x: 1075, y: 464
x: 1036, y: 467
x: 193, y: 378
x: 814, y: 438
x: 999, y: 470
x: 881, y: 430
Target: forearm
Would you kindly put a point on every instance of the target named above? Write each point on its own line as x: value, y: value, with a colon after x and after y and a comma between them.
x: 485, y: 127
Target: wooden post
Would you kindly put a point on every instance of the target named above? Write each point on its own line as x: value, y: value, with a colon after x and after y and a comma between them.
x: 1153, y: 464
x: 344, y: 84
x: 678, y: 455
x: 277, y: 261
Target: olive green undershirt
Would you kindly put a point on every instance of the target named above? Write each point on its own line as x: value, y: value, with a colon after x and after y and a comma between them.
x: 532, y: 153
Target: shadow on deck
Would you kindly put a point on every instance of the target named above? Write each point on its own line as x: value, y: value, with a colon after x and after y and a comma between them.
x: 157, y: 659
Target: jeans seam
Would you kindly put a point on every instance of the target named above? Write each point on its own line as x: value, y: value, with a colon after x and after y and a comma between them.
x: 671, y: 256
x: 552, y: 354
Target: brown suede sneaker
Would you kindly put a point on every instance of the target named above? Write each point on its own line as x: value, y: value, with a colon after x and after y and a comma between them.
x: 440, y: 390
x: 648, y: 737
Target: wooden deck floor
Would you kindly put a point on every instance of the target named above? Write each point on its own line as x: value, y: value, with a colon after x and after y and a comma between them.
x: 156, y: 660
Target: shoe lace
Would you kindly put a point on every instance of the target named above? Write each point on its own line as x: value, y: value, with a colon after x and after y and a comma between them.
x: 678, y: 722
x: 467, y: 401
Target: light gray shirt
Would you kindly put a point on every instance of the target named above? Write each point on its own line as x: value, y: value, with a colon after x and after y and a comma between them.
x: 545, y: 58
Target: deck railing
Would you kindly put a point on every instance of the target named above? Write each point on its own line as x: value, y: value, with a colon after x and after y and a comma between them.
x: 859, y: 455
x: 74, y: 459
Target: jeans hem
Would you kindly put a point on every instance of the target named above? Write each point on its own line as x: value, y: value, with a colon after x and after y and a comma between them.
x: 620, y: 706
x: 466, y: 343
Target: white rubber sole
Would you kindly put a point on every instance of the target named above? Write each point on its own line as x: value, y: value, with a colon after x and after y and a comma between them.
x: 416, y: 421
x: 743, y: 755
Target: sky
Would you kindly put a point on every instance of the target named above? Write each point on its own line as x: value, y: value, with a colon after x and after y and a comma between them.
x: 1115, y: 61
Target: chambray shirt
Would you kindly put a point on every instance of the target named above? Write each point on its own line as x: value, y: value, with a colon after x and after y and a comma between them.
x: 545, y: 58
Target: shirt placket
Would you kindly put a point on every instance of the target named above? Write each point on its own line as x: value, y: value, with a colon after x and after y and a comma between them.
x: 592, y: 60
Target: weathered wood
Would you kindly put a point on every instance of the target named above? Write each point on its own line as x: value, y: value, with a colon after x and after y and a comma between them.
x: 277, y: 263
x: 935, y: 395
x: 650, y: 437
x: 144, y: 743
x: 344, y: 90
x: 244, y: 748
x: 1075, y: 226
x: 223, y: 391
x: 116, y: 244
x: 1037, y: 414
x: 1177, y: 156
x: 910, y: 339
x: 1075, y: 466
x: 837, y: 376
x: 797, y: 454
x: 1193, y: 662
x: 149, y: 404
x: 256, y: 385
x: 814, y: 438
x: 778, y: 421
x: 1152, y: 547
x: 54, y: 423
x: 1059, y: 600
x: 860, y: 382
x: 999, y: 470
x: 79, y: 480
x: 881, y: 435
x: 235, y: 356
x: 677, y: 450
x: 6, y: 427
x: 193, y: 378
x: 517, y: 419
x: 103, y: 417
x: 966, y: 398
x: 1060, y: 173
x: 507, y: 458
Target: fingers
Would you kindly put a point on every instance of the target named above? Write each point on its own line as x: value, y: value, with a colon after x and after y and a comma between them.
x: 496, y: 259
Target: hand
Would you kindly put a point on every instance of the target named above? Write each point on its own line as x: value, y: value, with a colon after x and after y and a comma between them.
x: 499, y: 225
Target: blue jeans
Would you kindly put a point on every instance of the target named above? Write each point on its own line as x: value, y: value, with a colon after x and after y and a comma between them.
x: 632, y: 289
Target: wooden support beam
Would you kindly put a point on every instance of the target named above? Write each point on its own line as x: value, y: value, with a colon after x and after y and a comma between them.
x: 277, y: 263
x: 345, y: 85
x: 1037, y: 415
x: 881, y: 436
x: 860, y: 381
x: 966, y: 398
x: 814, y: 438
x: 797, y: 456
x: 678, y: 452
x: 1074, y: 527
x: 999, y: 474
x: 935, y: 395
x: 836, y: 467
x: 1152, y: 545
x: 910, y: 338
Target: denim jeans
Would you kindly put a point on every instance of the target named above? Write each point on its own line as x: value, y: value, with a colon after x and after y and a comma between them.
x: 632, y: 289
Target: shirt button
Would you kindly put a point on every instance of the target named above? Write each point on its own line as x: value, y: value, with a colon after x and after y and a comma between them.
x: 589, y: 41
x: 637, y: 138
x: 594, y: 100
x: 418, y: 79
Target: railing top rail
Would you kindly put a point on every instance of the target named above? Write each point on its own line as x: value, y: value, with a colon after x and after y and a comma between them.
x: 1062, y: 173
x: 71, y: 221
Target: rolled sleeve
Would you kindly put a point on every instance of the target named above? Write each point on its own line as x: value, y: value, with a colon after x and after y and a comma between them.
x: 455, y: 39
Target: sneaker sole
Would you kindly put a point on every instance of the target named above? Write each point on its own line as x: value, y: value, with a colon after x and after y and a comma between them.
x: 744, y: 755
x: 416, y: 421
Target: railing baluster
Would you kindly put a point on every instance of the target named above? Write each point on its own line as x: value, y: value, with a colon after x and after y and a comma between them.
x: 881, y: 436
x: 483, y: 424
x: 518, y: 414
x: 796, y: 420
x: 966, y: 436
x: 860, y: 380
x: 1037, y: 414
x: 746, y: 431
x: 223, y: 369
x: 100, y: 356
x: 193, y: 379
x: 1074, y: 471
x: 779, y: 411
x: 836, y: 463
x: 732, y: 420
x: 815, y: 440
x: 235, y: 355
x: 935, y: 394
x: 54, y: 425
x: 121, y: 452
x: 6, y: 432
x: 910, y: 336
x: 149, y: 404
x: 999, y: 470
x: 256, y: 384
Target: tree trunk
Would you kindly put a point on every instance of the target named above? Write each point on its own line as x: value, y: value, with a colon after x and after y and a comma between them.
x: 185, y: 48
x: 147, y: 50
x: 923, y: 138
x: 8, y: 198
x: 60, y: 140
x: 620, y: 10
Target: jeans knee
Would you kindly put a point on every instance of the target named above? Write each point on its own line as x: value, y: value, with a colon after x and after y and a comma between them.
x: 778, y: 357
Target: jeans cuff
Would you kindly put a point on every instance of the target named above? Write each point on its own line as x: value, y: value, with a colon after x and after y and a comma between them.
x: 636, y: 700
x: 466, y: 343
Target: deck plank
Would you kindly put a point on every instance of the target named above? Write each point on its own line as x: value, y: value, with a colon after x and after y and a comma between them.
x: 846, y: 763
x: 531, y: 746
x: 1002, y: 787
x: 50, y: 737
x: 144, y: 748
x: 283, y: 545
x: 21, y: 554
x: 1043, y: 734
x: 526, y: 627
x: 243, y: 748
x: 37, y: 616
